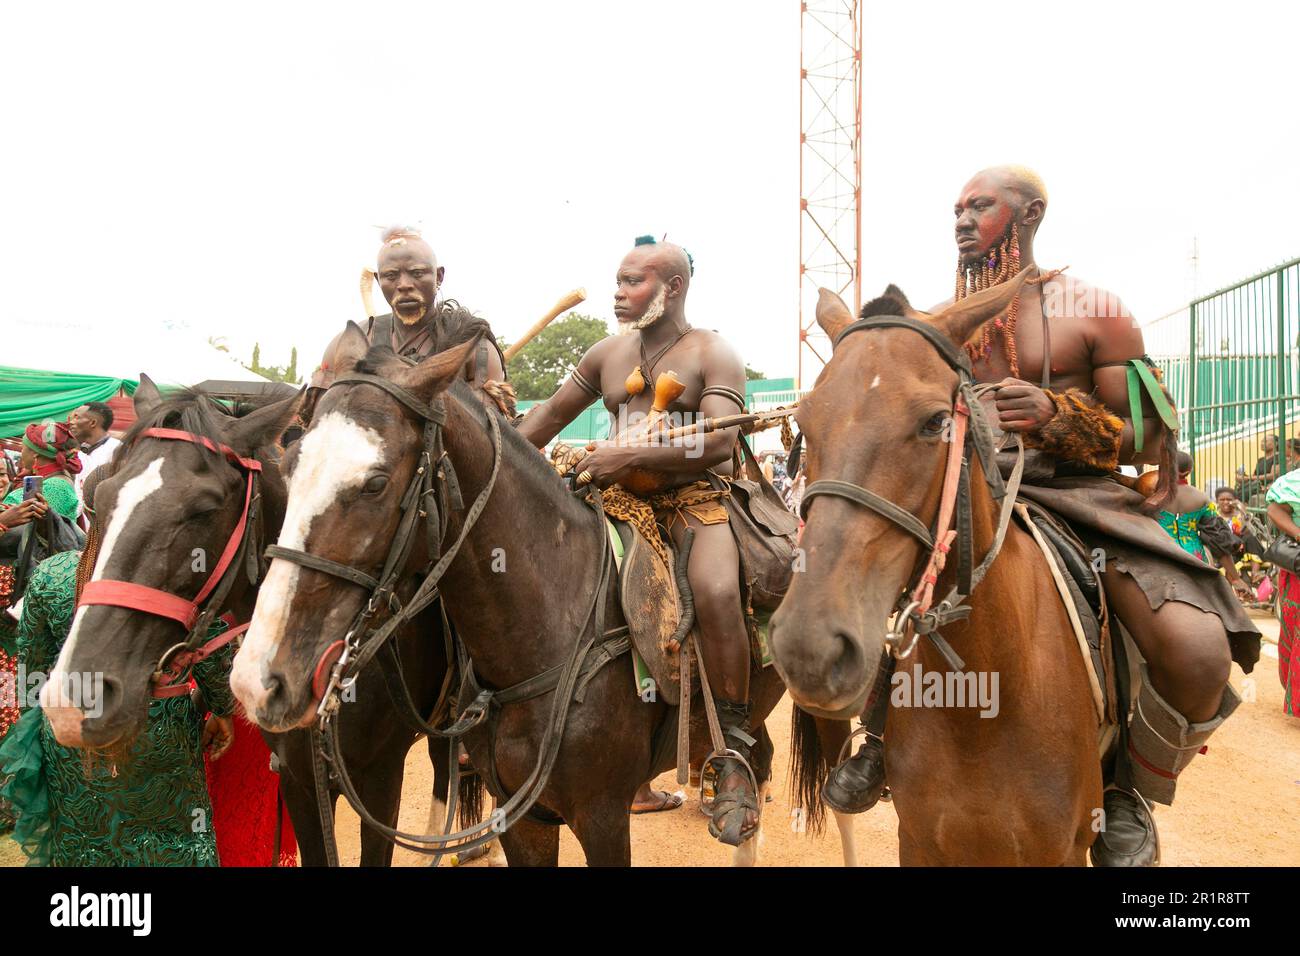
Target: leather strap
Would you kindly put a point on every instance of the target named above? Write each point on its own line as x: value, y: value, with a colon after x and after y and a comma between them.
x: 138, y: 597
x: 868, y: 499
x: 325, y: 565
x: 428, y: 413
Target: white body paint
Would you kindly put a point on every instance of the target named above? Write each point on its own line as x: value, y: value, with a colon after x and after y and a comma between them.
x: 335, y: 453
x: 875, y: 382
x: 65, y: 715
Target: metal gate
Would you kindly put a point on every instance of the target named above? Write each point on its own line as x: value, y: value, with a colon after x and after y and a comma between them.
x: 1231, y: 360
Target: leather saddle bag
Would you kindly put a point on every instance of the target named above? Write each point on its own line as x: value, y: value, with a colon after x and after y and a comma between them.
x: 765, y: 531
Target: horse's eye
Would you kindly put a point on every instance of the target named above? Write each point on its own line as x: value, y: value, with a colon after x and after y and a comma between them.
x: 374, y: 485
x: 935, y: 424
x: 201, y: 515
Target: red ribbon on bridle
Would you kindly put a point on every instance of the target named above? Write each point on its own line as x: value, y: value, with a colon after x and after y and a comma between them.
x: 923, y: 595
x: 175, y: 663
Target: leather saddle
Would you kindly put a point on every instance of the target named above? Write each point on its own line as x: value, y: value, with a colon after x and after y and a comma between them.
x: 648, y: 594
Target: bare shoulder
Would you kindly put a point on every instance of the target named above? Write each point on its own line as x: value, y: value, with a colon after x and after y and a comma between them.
x: 1071, y: 297
x: 712, y: 344
x: 1111, y: 329
x: 601, y: 351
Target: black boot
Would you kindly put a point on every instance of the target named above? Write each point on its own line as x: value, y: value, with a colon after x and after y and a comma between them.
x: 736, y: 790
x: 1129, y: 837
x: 856, y: 784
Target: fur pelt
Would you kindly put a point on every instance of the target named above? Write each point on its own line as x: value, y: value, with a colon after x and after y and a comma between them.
x: 1083, y: 430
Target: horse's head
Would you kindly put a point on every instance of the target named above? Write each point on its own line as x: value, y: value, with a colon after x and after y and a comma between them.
x: 878, y: 418
x: 163, y: 512
x: 347, y: 478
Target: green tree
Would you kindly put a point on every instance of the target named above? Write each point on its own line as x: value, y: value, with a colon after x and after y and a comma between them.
x: 752, y: 376
x: 540, y: 368
x: 276, y: 373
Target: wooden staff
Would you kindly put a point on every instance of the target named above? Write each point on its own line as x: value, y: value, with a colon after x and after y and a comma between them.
x: 706, y: 425
x: 564, y: 305
x: 645, y: 482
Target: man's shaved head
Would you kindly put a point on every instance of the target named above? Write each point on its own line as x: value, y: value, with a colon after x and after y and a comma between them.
x: 652, y: 282
x: 666, y: 259
x: 405, y: 239
x: 409, y: 274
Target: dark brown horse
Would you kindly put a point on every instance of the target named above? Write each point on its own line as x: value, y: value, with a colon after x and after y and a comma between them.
x: 520, y: 592
x: 1021, y: 787
x: 168, y: 501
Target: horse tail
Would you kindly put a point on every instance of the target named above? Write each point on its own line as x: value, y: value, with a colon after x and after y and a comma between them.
x: 808, y: 769
x: 470, y: 797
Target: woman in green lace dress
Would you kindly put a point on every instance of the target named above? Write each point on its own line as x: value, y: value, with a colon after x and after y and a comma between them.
x: 147, y: 807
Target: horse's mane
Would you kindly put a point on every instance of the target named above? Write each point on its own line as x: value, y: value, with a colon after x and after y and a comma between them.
x: 461, y: 327
x: 188, y: 409
x: 192, y: 410
x: 892, y: 302
x: 514, y: 448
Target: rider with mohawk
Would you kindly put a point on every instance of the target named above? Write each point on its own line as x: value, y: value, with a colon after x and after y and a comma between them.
x: 1072, y: 366
x: 650, y: 305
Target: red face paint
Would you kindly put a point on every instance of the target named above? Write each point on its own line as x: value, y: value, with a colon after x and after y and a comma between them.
x: 983, y: 212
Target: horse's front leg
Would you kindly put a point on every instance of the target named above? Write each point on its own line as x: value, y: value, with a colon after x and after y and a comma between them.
x: 529, y: 843
x: 603, y: 827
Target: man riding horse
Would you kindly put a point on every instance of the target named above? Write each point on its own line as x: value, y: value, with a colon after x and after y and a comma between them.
x: 1078, y: 342
x: 419, y: 325
x: 650, y: 305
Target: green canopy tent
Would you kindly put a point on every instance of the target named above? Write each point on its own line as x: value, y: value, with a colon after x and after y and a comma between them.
x: 29, y: 395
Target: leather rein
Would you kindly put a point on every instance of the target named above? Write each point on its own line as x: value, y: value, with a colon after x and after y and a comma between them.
x: 432, y: 495
x: 916, y: 613
x: 171, y: 676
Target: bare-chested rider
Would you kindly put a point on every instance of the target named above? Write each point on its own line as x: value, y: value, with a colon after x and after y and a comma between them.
x: 420, y: 324
x: 1180, y: 612
x: 650, y: 305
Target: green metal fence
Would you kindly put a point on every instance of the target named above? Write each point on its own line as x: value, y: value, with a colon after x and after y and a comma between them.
x: 1231, y: 360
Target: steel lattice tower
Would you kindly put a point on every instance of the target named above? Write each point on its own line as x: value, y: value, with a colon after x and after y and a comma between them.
x: 830, y: 167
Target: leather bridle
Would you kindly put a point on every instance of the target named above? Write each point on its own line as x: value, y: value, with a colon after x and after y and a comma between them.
x: 431, y: 496
x: 917, y: 615
x: 171, y: 676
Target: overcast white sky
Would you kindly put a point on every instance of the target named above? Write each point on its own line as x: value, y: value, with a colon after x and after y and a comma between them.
x: 221, y: 166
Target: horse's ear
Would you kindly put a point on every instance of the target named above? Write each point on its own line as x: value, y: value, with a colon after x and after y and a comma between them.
x: 146, y: 396
x: 349, y: 348
x: 962, y: 320
x: 261, y: 428
x: 436, y: 373
x: 832, y: 314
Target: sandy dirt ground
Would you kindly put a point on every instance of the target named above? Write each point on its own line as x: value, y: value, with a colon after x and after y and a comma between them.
x: 1237, y: 804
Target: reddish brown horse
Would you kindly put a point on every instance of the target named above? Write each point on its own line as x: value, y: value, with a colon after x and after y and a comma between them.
x: 1018, y: 788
